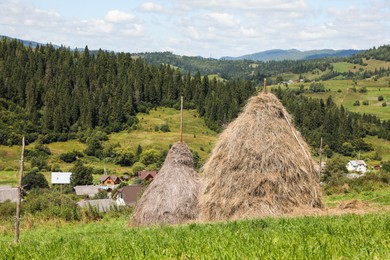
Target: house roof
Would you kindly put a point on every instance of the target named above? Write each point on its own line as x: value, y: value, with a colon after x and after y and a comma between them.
x: 144, y: 174
x: 112, y: 177
x: 86, y: 190
x: 103, y: 178
x: 131, y: 193
x: 8, y: 193
x: 102, y: 205
x: 60, y: 177
x: 356, y: 163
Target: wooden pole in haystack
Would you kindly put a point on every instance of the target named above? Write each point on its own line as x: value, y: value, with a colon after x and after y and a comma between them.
x: 181, y: 119
x: 265, y: 86
x: 321, y: 151
x: 19, y: 199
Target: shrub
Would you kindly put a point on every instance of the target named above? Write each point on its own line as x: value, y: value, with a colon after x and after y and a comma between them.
x: 34, y: 180
x: 150, y: 156
x: 137, y: 167
x: 39, y: 162
x: 380, y: 98
x: 70, y: 156
x: 52, y: 204
x: 336, y: 165
x: 356, y: 103
x: 365, y: 103
x: 363, y: 90
x: 7, y: 210
x: 346, y: 149
x: 81, y: 175
x: 384, y: 104
x: 125, y: 157
x: 317, y: 87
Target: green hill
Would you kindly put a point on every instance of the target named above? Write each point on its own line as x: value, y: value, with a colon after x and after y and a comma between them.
x: 196, y: 135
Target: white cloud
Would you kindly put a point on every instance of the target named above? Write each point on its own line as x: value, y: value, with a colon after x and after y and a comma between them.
x: 116, y: 16
x: 224, y: 19
x: 249, y: 32
x: 151, y: 7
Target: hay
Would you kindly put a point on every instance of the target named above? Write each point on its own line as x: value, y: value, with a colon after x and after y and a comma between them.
x: 172, y: 197
x: 260, y: 166
x: 352, y: 204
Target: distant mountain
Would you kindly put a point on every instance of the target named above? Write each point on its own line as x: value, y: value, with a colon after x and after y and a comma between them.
x: 293, y: 54
x: 27, y: 42
x: 34, y: 44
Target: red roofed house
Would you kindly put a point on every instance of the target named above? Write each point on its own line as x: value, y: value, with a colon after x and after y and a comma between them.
x: 109, y: 180
x: 147, y: 175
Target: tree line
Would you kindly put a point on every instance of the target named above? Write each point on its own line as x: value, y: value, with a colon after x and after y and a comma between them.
x: 342, y: 131
x: 57, y: 92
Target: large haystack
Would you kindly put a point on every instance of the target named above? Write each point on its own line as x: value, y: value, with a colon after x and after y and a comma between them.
x: 172, y: 197
x: 260, y: 166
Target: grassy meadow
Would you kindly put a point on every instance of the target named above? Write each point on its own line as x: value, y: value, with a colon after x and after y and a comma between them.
x: 342, y: 94
x: 195, y: 134
x: 346, y: 236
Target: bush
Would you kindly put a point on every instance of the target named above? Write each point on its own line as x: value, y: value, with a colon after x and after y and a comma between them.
x: 124, y: 157
x: 317, y: 87
x: 380, y: 98
x: 52, y: 204
x: 39, y: 162
x: 356, y: 103
x: 81, y: 175
x: 336, y: 165
x: 7, y: 210
x: 34, y: 180
x: 150, y: 156
x: 384, y: 104
x: 71, y: 156
x: 137, y: 167
x: 346, y: 149
x: 365, y: 103
x: 363, y: 90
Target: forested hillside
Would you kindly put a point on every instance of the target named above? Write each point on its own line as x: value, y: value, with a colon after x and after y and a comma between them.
x: 57, y: 93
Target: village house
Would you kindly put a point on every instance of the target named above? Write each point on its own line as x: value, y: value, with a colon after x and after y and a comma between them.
x: 60, y: 177
x: 128, y: 195
x: 109, y: 180
x: 357, y: 166
x: 8, y: 193
x: 146, y: 175
x: 88, y: 190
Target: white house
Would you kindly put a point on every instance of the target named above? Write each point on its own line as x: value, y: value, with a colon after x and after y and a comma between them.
x: 60, y: 177
x: 357, y: 166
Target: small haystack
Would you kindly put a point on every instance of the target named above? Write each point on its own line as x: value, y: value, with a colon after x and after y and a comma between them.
x: 172, y: 197
x: 260, y: 166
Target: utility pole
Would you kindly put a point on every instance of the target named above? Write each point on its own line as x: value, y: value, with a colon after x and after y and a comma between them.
x: 19, y: 199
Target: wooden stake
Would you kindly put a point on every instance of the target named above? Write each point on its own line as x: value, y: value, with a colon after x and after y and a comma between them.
x: 321, y: 151
x: 181, y: 119
x: 19, y: 199
x: 265, y: 86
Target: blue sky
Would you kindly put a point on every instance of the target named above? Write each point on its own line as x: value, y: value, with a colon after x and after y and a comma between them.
x: 209, y: 28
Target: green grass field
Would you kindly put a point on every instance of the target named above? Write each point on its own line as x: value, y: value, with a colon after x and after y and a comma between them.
x: 196, y: 135
x: 341, y: 92
x: 328, y: 237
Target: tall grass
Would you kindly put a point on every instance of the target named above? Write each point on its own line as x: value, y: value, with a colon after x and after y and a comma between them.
x: 347, y: 236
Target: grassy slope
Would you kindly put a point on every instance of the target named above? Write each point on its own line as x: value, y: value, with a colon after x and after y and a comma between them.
x: 195, y: 134
x: 347, y: 236
x: 347, y: 97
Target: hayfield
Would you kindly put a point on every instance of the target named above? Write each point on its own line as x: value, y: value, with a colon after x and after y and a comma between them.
x: 342, y: 94
x: 346, y: 236
x: 196, y: 135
